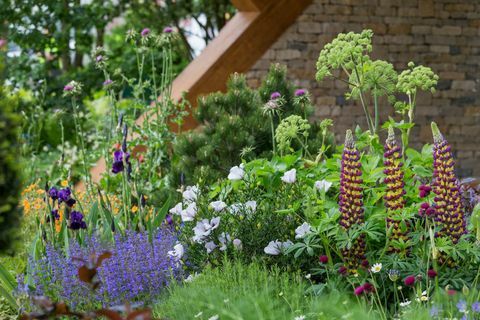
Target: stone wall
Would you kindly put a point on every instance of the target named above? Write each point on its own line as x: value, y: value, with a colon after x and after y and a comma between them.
x: 441, y: 34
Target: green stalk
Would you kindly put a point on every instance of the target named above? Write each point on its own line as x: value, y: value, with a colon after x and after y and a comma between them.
x: 273, y: 134
x: 79, y: 131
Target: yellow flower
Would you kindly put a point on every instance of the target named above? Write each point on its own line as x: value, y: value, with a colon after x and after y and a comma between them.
x: 26, y: 206
x: 134, y: 209
x: 64, y: 183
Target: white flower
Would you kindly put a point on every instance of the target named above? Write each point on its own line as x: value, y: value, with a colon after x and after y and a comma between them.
x: 210, y: 246
x: 177, y: 209
x: 236, y: 173
x: 308, y: 276
x: 190, y: 194
x: 323, y: 185
x: 299, y: 318
x: 204, y: 228
x: 405, y: 303
x: 218, y: 206
x: 302, y: 230
x: 276, y: 247
x: 237, y: 244
x: 215, y: 317
x: 252, y: 205
x: 376, y: 268
x: 191, y: 277
x: 189, y: 213
x: 290, y: 176
x: 177, y: 252
x: 224, y: 239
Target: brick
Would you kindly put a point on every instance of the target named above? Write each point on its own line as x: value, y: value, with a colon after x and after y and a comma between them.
x: 399, y: 28
x: 440, y: 49
x: 288, y: 54
x: 464, y: 7
x: 426, y: 8
x: 447, y: 30
x: 422, y: 29
x: 465, y: 85
x: 325, y: 101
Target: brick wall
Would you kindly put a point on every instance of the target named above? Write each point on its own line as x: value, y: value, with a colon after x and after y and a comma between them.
x: 441, y: 34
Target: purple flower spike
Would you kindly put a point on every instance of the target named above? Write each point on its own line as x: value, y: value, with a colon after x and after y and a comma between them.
x: 351, y: 202
x: 167, y: 30
x: 275, y: 95
x: 449, y: 213
x: 394, y: 201
x: 300, y: 92
x: 145, y: 32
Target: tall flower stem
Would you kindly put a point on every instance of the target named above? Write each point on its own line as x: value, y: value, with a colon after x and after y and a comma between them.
x: 79, y: 131
x: 272, y: 127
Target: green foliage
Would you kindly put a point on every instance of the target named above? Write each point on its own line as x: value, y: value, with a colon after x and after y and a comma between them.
x: 238, y: 291
x: 292, y: 128
x: 10, y: 171
x: 234, y: 127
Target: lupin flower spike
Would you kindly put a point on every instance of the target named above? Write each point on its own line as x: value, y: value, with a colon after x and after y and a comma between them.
x: 394, y: 201
x: 447, y: 201
x: 351, y: 202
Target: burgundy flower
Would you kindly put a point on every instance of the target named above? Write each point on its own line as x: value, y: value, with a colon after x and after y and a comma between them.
x: 431, y: 273
x: 368, y: 287
x: 409, y: 281
x: 323, y: 259
x: 351, y: 202
x: 394, y: 201
x: 359, y: 290
x: 342, y: 270
x: 424, y: 190
x: 449, y: 212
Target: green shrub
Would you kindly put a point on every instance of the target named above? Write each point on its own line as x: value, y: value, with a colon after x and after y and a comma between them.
x: 235, y: 126
x: 10, y: 177
x: 238, y: 291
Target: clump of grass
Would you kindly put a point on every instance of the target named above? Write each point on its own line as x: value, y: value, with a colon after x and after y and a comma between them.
x: 237, y: 291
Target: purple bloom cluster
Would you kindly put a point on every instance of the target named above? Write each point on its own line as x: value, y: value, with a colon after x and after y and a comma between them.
x: 138, y: 271
x: 62, y: 195
x: 447, y: 202
x: 351, y: 202
x: 394, y: 201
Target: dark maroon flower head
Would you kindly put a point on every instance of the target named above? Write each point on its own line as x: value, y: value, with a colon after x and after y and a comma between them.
x: 53, y: 193
x: 275, y: 95
x: 409, y: 281
x: 342, y: 270
x: 300, y: 92
x: 424, y: 190
x: 365, y: 263
x: 431, y: 273
x: 323, y: 259
x: 145, y: 32
x: 368, y: 287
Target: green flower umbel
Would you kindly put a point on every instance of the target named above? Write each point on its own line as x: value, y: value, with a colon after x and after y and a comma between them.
x: 351, y: 202
x: 448, y: 207
x: 397, y: 230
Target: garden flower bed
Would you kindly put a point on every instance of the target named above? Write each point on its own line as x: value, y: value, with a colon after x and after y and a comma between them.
x: 259, y: 214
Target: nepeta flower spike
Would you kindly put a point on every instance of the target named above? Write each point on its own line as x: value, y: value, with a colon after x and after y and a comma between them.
x: 394, y: 201
x: 449, y: 211
x: 351, y: 202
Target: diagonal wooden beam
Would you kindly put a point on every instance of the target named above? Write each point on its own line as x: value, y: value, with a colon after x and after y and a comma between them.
x: 240, y: 43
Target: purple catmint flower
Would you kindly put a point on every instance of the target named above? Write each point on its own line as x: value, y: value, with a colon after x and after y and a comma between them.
x: 145, y: 32
x: 397, y: 230
x: 476, y: 307
x: 300, y: 92
x: 351, y: 202
x: 76, y: 221
x: 53, y: 193
x: 168, y: 29
x: 449, y: 212
x: 275, y: 95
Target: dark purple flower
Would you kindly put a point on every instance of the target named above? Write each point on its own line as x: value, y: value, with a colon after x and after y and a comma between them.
x: 145, y: 32
x: 323, y: 259
x: 65, y: 195
x: 409, y: 281
x: 55, y: 214
x: 76, y: 221
x: 300, y: 92
x: 167, y: 30
x: 169, y: 219
x: 431, y: 273
x: 53, y: 193
x: 275, y: 95
x: 119, y: 160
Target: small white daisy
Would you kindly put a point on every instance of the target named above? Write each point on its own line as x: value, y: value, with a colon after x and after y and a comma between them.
x: 376, y: 268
